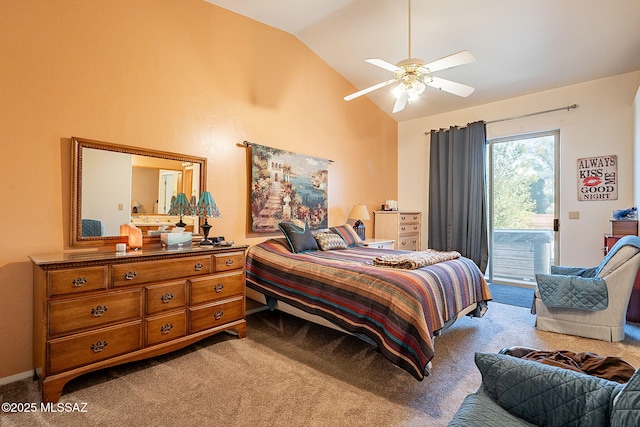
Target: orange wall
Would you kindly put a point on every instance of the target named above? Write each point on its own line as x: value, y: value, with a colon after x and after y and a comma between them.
x: 174, y: 75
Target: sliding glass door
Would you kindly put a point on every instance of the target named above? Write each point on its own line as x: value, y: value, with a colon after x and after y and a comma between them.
x: 523, y: 207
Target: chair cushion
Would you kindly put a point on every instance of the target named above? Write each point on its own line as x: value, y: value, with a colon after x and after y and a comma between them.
x: 626, y: 406
x: 546, y: 395
x: 558, y: 290
x: 478, y: 410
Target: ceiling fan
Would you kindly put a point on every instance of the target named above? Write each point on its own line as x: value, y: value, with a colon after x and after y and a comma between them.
x: 414, y: 75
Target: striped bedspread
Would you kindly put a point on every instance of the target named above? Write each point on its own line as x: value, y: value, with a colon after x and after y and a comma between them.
x: 398, y: 309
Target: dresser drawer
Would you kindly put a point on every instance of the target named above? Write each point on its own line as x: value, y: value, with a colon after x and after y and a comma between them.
x: 166, y: 296
x: 212, y: 315
x: 408, y: 228
x: 166, y: 327
x: 79, y: 280
x: 89, y: 312
x: 228, y: 261
x: 88, y: 347
x: 153, y: 271
x: 219, y: 286
x: 408, y: 243
x: 409, y: 218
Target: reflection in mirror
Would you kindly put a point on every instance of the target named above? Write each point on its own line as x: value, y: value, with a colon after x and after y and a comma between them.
x: 114, y: 185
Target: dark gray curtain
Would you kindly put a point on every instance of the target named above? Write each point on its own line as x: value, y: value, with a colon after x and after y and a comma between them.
x: 457, y: 199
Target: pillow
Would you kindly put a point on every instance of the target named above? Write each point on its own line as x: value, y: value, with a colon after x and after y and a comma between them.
x: 348, y: 234
x: 546, y: 395
x: 300, y: 238
x: 328, y: 241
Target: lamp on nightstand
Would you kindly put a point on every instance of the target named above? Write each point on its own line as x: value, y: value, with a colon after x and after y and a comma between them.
x: 207, y: 208
x: 359, y: 212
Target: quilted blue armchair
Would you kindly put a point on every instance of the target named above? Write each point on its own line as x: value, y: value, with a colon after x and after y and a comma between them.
x: 589, y: 302
x: 520, y: 392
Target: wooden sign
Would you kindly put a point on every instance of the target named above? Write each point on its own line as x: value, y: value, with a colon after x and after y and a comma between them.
x: 598, y: 178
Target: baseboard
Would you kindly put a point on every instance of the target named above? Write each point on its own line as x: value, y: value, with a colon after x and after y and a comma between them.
x: 16, y: 377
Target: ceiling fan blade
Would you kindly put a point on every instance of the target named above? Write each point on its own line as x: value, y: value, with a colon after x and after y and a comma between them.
x: 454, y: 60
x: 369, y: 89
x: 401, y: 102
x: 449, y: 86
x: 383, y: 64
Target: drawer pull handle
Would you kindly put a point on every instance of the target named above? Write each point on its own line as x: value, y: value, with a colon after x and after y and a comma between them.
x: 164, y: 330
x: 98, y: 346
x: 99, y: 311
x: 229, y: 262
x: 198, y: 266
x: 130, y: 275
x: 79, y: 282
x: 218, y: 314
x: 218, y: 288
x: 403, y: 228
x: 166, y: 297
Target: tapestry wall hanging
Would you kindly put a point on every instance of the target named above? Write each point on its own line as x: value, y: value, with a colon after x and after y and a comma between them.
x: 287, y: 186
x: 598, y: 178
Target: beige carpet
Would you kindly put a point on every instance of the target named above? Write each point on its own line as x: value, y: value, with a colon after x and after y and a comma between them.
x: 288, y: 372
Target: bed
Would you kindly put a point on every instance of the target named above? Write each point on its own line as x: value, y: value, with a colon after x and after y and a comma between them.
x: 399, y: 310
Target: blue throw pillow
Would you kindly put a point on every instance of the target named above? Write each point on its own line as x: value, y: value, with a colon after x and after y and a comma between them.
x: 299, y: 238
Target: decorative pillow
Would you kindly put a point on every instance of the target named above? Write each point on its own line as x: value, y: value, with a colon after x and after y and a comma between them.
x: 348, y: 234
x: 300, y: 238
x: 328, y: 241
x: 546, y: 395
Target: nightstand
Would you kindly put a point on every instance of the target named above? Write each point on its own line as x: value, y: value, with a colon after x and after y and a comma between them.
x: 379, y: 243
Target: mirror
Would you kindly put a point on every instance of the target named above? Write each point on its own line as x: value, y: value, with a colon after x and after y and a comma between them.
x: 117, y: 184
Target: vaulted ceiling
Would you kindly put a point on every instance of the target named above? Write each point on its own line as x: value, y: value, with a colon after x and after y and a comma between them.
x: 521, y: 46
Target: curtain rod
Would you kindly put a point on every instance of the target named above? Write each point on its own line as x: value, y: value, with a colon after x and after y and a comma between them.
x: 568, y: 108
x: 248, y: 144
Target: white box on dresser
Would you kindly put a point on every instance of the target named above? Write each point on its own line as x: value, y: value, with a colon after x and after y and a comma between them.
x: 93, y: 310
x: 404, y: 227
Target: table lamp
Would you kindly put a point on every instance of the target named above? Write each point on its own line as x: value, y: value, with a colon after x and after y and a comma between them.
x: 180, y: 206
x: 207, y: 208
x: 359, y: 212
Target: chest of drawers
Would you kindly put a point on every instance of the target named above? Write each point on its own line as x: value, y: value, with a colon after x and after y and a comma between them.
x: 93, y: 310
x: 405, y: 228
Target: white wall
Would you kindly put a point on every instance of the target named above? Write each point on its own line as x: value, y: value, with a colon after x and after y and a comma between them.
x: 602, y: 125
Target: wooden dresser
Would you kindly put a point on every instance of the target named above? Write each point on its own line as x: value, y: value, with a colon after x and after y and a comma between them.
x: 93, y: 310
x: 404, y: 227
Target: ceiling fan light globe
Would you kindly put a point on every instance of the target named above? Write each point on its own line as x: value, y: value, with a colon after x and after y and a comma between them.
x: 398, y: 90
x: 413, y: 96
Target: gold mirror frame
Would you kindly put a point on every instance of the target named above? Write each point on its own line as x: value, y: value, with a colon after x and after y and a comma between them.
x: 78, y: 144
